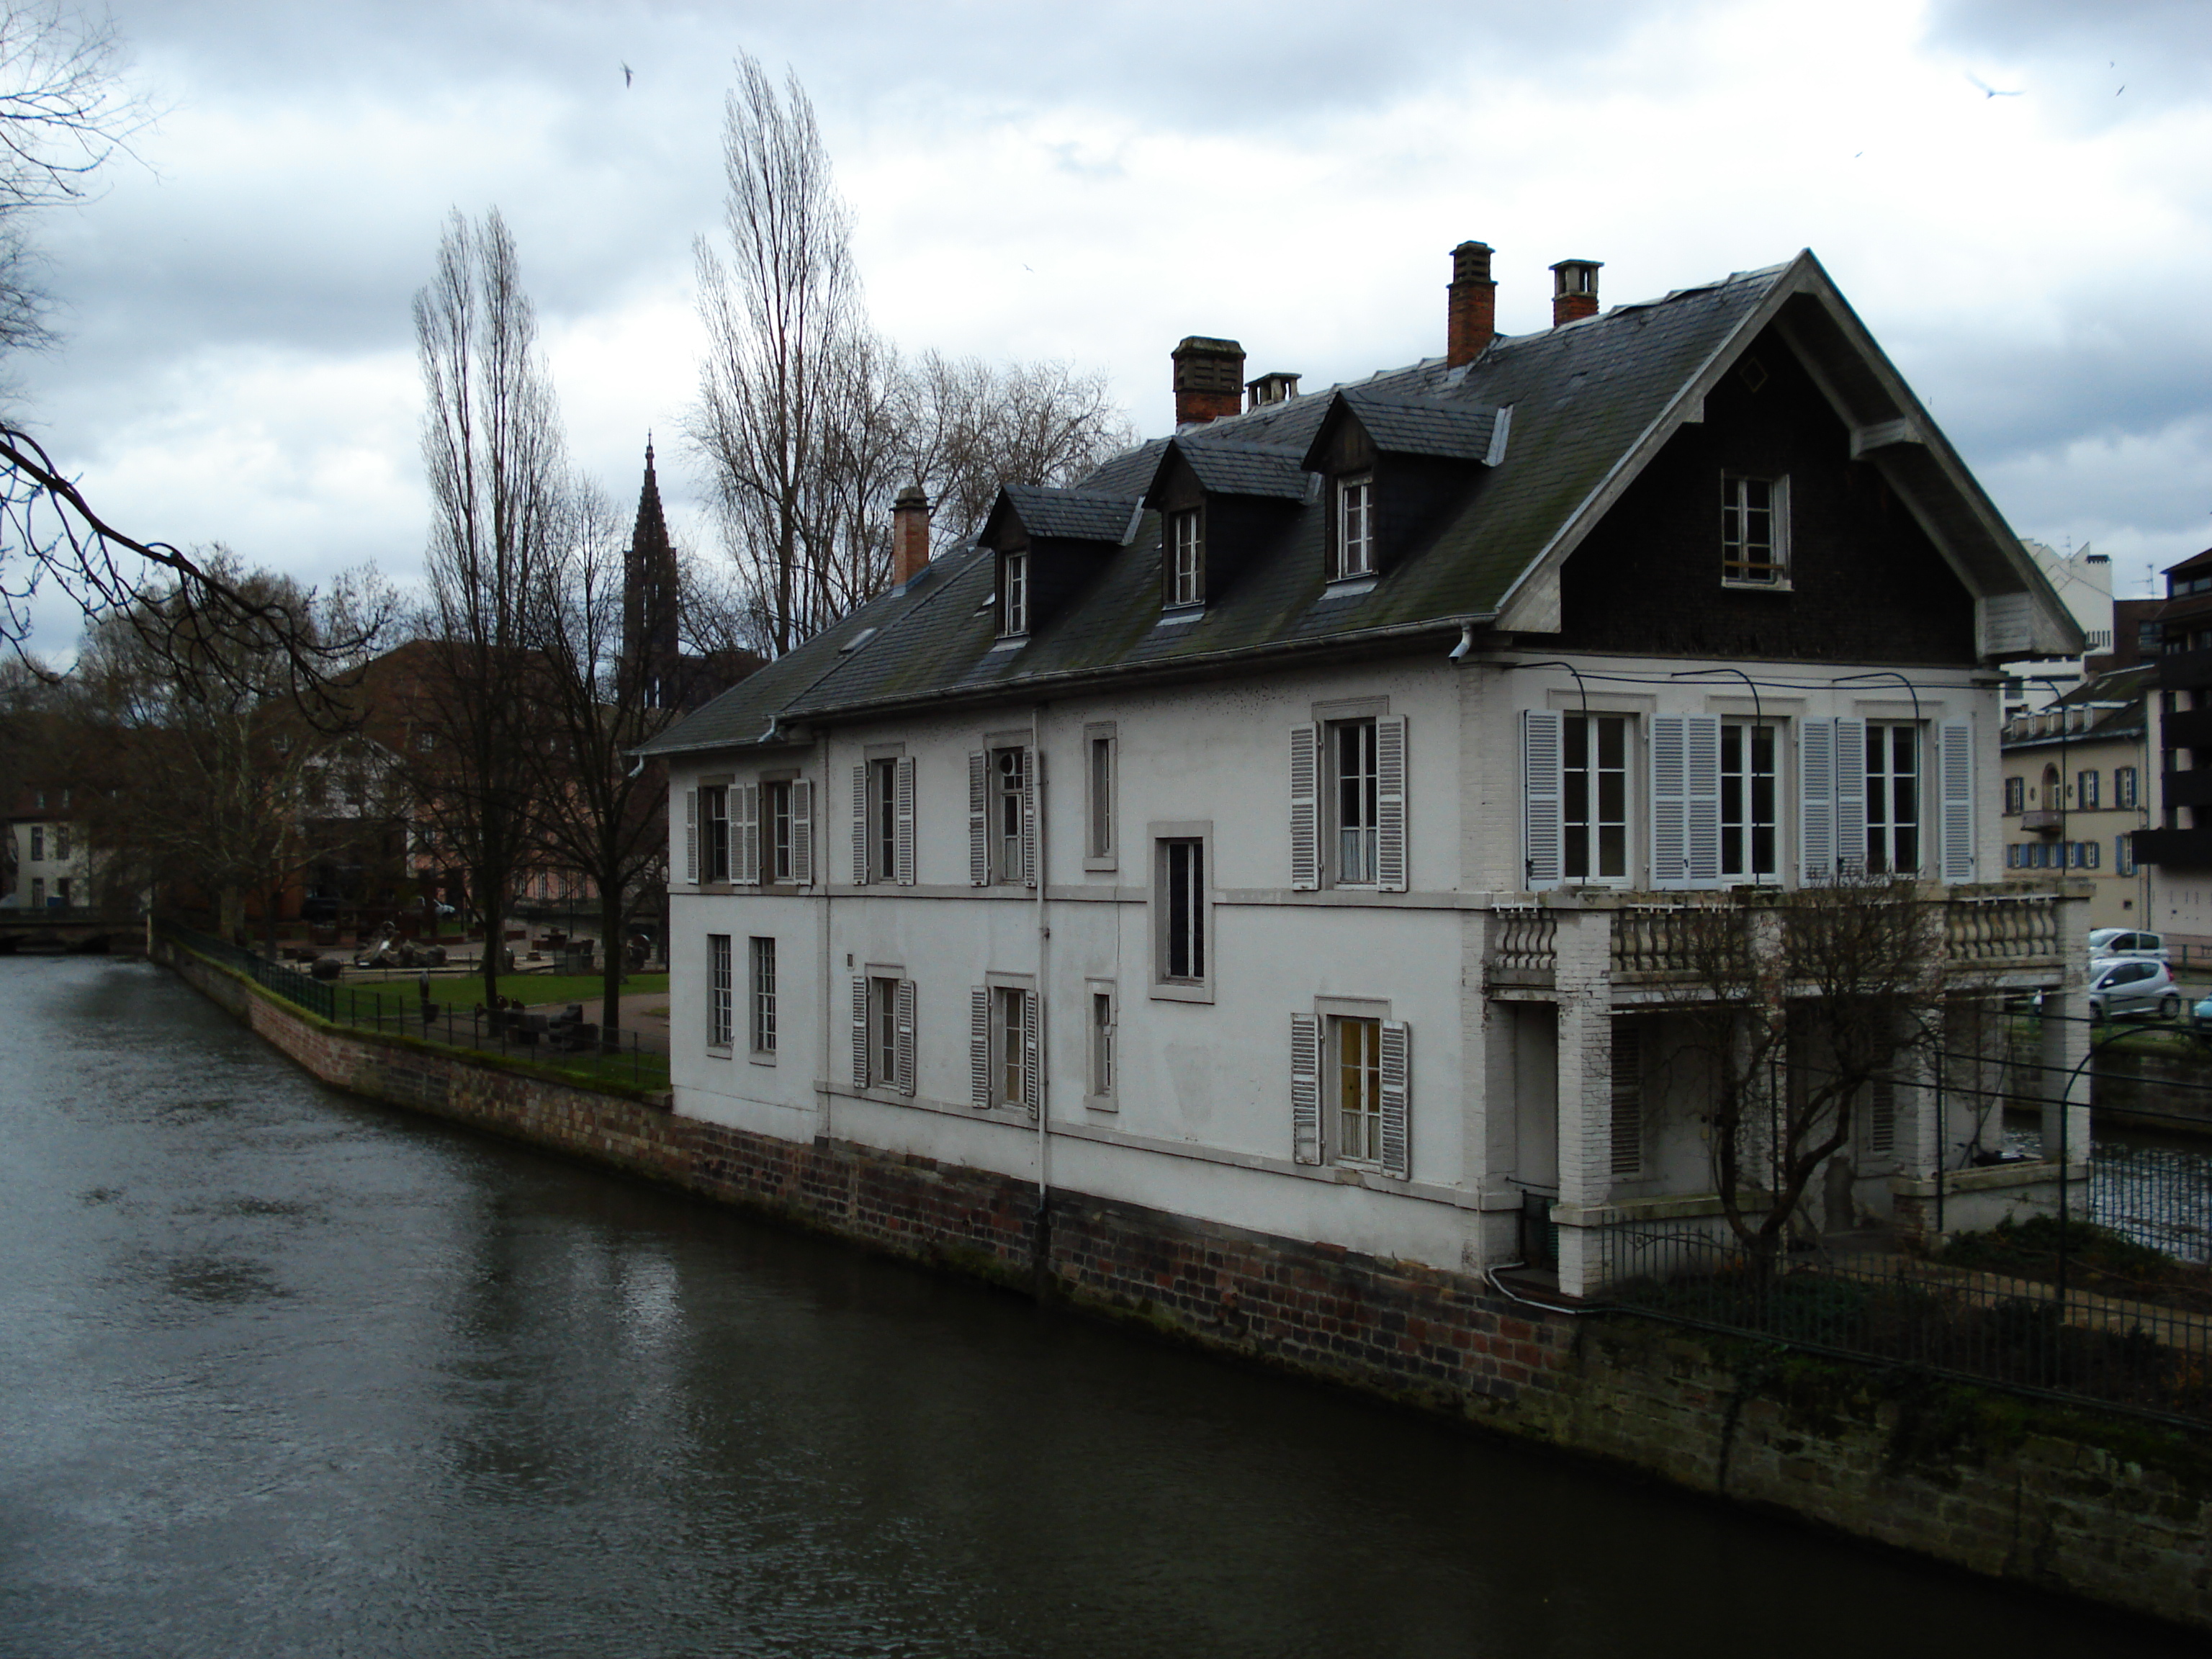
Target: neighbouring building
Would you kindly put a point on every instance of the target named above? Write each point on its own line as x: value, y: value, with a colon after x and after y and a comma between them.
x: 2076, y: 792
x: 47, y: 863
x: 2083, y: 582
x: 2178, y: 846
x: 1305, y: 826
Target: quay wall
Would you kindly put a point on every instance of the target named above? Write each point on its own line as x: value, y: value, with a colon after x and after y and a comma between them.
x: 2115, y: 1510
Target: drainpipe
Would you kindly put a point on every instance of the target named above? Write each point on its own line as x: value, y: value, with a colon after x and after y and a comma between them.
x: 1043, y: 996
x: 820, y: 862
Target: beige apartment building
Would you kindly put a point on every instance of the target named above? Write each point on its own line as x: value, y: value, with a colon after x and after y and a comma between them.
x: 2075, y: 791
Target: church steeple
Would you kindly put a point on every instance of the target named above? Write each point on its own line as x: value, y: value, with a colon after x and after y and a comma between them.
x: 650, y: 600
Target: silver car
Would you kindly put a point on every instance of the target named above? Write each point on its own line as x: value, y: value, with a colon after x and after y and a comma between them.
x: 2132, y: 985
x: 2108, y: 942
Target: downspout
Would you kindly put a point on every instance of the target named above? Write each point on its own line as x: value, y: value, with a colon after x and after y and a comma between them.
x: 820, y: 870
x: 1044, y: 1241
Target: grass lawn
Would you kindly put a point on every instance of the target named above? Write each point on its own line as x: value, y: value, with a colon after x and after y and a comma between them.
x: 465, y: 991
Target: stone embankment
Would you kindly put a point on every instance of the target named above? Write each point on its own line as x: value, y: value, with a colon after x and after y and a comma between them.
x: 2110, y: 1508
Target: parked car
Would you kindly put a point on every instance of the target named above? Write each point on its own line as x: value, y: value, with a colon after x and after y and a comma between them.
x: 2106, y: 943
x: 2130, y: 985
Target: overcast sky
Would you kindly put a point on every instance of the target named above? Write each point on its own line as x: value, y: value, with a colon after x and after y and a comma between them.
x: 1093, y: 182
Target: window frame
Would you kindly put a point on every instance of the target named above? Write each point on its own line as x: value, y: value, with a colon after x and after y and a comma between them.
x: 1884, y: 824
x: 1102, y: 770
x: 1358, y: 488
x: 1745, y: 824
x: 1013, y: 1003
x: 1185, y: 564
x: 777, y: 860
x: 2088, y: 789
x: 1363, y: 730
x: 721, y: 995
x: 1101, y: 1044
x: 2016, y: 796
x: 880, y: 826
x: 883, y: 1044
x: 2124, y: 788
x: 1335, y: 1072
x: 1014, y: 594
x: 761, y: 1010
x: 1171, y: 842
x: 1738, y: 569
x: 714, y: 863
x: 1592, y: 822
x: 1011, y: 790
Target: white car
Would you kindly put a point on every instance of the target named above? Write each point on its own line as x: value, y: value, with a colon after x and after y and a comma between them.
x: 2106, y: 943
x: 2130, y: 985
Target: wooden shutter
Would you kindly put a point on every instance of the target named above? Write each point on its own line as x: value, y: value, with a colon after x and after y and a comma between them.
x: 1305, y: 1088
x: 744, y: 833
x: 859, y: 1033
x: 903, y: 778
x: 979, y: 817
x: 1954, y: 772
x: 1032, y: 1053
x: 1397, y: 1095
x: 1816, y: 800
x: 1850, y: 797
x: 979, y: 1048
x: 691, y: 836
x: 1028, y: 817
x: 1305, y: 808
x: 1881, y: 1116
x: 1541, y: 841
x: 860, y: 826
x: 1685, y: 800
x: 1390, y: 802
x: 904, y: 1037
x: 1627, y: 1097
x: 802, y: 831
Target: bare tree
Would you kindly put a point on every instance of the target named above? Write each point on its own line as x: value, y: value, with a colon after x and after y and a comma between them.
x: 492, y: 446
x: 596, y: 810
x: 1800, y: 1005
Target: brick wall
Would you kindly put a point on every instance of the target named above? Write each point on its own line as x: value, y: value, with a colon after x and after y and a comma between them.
x: 2112, y: 1509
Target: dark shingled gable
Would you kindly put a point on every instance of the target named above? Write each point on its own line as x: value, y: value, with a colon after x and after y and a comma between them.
x: 1583, y: 399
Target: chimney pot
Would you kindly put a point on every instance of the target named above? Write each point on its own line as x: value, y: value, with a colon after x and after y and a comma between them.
x: 1275, y: 388
x: 910, y: 535
x: 1209, y: 379
x: 1471, y: 313
x: 1574, y: 289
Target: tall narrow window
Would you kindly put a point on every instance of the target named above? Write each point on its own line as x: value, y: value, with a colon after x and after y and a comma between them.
x: 1356, y: 1070
x: 763, y: 996
x: 714, y: 833
x: 2124, y: 786
x: 1352, y: 761
x: 719, y: 990
x: 61, y: 838
x: 1010, y: 799
x: 776, y: 832
x: 2123, y: 855
x: 1014, y: 594
x: 1182, y: 877
x: 1102, y: 1042
x: 882, y: 830
x: 1748, y: 802
x: 1011, y: 1010
x: 1893, y: 798
x: 883, y: 1031
x: 1355, y: 527
x: 2086, y: 790
x: 1754, y: 530
x: 1187, y: 563
x: 37, y: 841
x: 1594, y: 797
x: 1098, y: 804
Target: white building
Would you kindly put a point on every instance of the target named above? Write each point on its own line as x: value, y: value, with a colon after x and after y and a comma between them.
x: 1303, y: 826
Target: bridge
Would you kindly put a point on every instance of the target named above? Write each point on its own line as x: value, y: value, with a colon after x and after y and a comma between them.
x: 84, y: 930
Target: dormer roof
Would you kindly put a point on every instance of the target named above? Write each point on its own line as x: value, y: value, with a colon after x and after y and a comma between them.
x: 1278, y: 470
x: 1447, y: 428
x: 1076, y: 515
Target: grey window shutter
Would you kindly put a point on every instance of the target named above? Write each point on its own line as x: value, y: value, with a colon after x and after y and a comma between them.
x: 1703, y: 798
x: 1028, y: 817
x: 1541, y: 843
x: 1627, y: 1102
x: 691, y: 836
x: 1850, y: 797
x: 1881, y: 1116
x: 1397, y: 1098
x: 1816, y: 800
x: 1670, y: 801
x: 979, y: 814
x: 1305, y: 808
x: 1954, y: 769
x: 859, y: 826
x: 1032, y: 1053
x: 745, y: 834
x: 1390, y: 802
x: 859, y: 1033
x: 904, y: 1036
x: 903, y: 774
x: 1305, y: 1088
x: 802, y: 832
x: 979, y: 1048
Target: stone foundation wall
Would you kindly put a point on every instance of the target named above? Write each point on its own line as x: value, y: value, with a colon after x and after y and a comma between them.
x: 2112, y: 1508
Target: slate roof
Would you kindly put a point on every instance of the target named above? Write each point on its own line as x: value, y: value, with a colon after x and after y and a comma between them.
x: 1586, y: 400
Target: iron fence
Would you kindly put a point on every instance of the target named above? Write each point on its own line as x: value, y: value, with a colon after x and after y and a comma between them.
x: 1978, y: 1325
x: 564, y: 1041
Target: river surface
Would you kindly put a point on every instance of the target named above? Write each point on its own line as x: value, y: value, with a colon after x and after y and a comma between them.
x: 286, y: 1373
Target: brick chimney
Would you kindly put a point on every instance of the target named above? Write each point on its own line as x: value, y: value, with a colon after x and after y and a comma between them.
x: 1209, y: 380
x: 1574, y: 289
x: 910, y: 535
x: 1471, y: 311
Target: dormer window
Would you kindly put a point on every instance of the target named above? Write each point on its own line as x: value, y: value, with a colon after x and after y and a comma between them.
x: 1355, y: 527
x: 1014, y: 595
x: 1186, y: 558
x: 1754, y: 530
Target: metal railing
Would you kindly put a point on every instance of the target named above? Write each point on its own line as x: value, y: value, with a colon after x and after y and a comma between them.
x: 1979, y: 1326
x: 572, y: 1045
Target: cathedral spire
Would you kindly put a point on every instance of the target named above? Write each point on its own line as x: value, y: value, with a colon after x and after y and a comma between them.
x: 650, y: 604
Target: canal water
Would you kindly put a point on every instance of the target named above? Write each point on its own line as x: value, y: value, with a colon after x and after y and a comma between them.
x: 286, y: 1373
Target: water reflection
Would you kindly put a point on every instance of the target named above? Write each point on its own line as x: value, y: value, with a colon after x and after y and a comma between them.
x: 292, y: 1374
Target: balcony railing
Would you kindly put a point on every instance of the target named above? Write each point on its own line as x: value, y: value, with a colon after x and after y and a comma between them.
x: 2043, y: 818
x: 2001, y: 930
x: 1523, y: 947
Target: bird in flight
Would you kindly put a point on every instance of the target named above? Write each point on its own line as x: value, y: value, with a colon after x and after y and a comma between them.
x: 1988, y: 91
x: 625, y: 73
